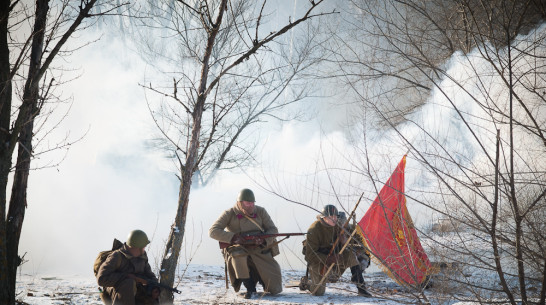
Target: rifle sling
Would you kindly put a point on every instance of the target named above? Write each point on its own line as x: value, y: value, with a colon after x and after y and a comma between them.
x: 274, y: 244
x: 262, y: 250
x: 257, y: 225
x: 254, y: 222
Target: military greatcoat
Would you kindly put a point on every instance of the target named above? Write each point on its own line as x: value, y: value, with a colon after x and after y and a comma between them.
x: 320, y: 240
x: 233, y: 221
x: 121, y: 289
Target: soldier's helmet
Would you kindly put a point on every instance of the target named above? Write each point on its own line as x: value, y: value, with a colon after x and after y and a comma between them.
x: 246, y: 195
x: 137, y: 239
x: 329, y: 210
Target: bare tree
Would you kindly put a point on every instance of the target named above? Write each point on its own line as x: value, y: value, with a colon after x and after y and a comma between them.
x: 228, y: 70
x: 486, y: 178
x: 24, y: 63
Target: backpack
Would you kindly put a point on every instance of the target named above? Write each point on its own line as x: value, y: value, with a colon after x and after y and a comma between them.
x: 104, y: 254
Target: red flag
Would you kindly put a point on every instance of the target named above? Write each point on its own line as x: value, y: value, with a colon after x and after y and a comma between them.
x: 388, y: 230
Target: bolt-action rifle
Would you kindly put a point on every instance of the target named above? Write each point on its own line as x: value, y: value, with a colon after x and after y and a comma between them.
x: 251, y: 238
x: 152, y: 283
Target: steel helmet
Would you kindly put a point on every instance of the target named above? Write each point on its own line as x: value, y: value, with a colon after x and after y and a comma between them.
x: 137, y: 239
x: 246, y: 195
x: 329, y: 210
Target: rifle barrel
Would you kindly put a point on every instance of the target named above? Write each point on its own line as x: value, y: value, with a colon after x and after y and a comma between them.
x: 165, y: 287
x: 224, y: 245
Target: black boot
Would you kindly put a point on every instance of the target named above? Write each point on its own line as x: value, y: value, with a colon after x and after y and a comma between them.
x: 250, y: 286
x: 304, y: 283
x: 356, y: 274
x: 358, y: 279
x: 362, y: 291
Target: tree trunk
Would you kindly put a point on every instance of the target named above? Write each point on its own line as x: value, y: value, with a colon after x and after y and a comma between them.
x: 513, y: 197
x: 28, y: 111
x: 493, y: 231
x: 6, y: 294
x: 176, y: 237
x: 21, y: 131
x: 5, y: 156
x: 18, y: 201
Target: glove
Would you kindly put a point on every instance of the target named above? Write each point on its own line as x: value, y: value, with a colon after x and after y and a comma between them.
x: 237, y: 239
x: 137, y: 279
x: 332, y: 259
x: 343, y: 238
x: 258, y: 241
x: 155, y: 293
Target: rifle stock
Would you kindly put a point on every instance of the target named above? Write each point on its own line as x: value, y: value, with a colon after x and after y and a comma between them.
x: 251, y: 237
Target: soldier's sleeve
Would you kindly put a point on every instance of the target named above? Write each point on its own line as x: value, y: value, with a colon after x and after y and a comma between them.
x: 148, y: 273
x: 108, y: 275
x: 312, y: 256
x: 268, y: 226
x: 218, y: 232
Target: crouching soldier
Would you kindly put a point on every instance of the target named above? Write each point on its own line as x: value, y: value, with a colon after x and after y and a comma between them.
x: 125, y: 274
x: 319, y: 255
x: 249, y: 263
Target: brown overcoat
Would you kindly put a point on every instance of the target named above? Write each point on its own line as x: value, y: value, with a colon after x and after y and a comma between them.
x: 320, y: 240
x: 233, y: 221
x: 112, y: 275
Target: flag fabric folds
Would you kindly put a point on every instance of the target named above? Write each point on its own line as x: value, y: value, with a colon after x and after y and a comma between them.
x: 390, y: 235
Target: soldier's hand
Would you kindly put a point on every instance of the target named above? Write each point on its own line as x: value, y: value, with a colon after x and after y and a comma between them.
x: 137, y: 279
x: 331, y: 259
x: 343, y: 238
x: 237, y: 239
x: 258, y: 241
x: 155, y: 293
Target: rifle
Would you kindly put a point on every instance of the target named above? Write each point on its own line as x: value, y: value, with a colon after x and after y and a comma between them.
x: 152, y: 283
x: 250, y: 238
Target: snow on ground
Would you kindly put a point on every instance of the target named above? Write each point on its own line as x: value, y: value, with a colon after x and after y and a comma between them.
x: 206, y: 285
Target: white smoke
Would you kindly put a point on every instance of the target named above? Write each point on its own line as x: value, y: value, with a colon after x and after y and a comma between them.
x: 110, y: 183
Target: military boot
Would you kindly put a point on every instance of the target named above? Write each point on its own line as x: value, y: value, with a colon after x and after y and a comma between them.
x: 358, y: 279
x: 304, y: 283
x: 356, y: 274
x: 250, y: 286
x: 362, y: 291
